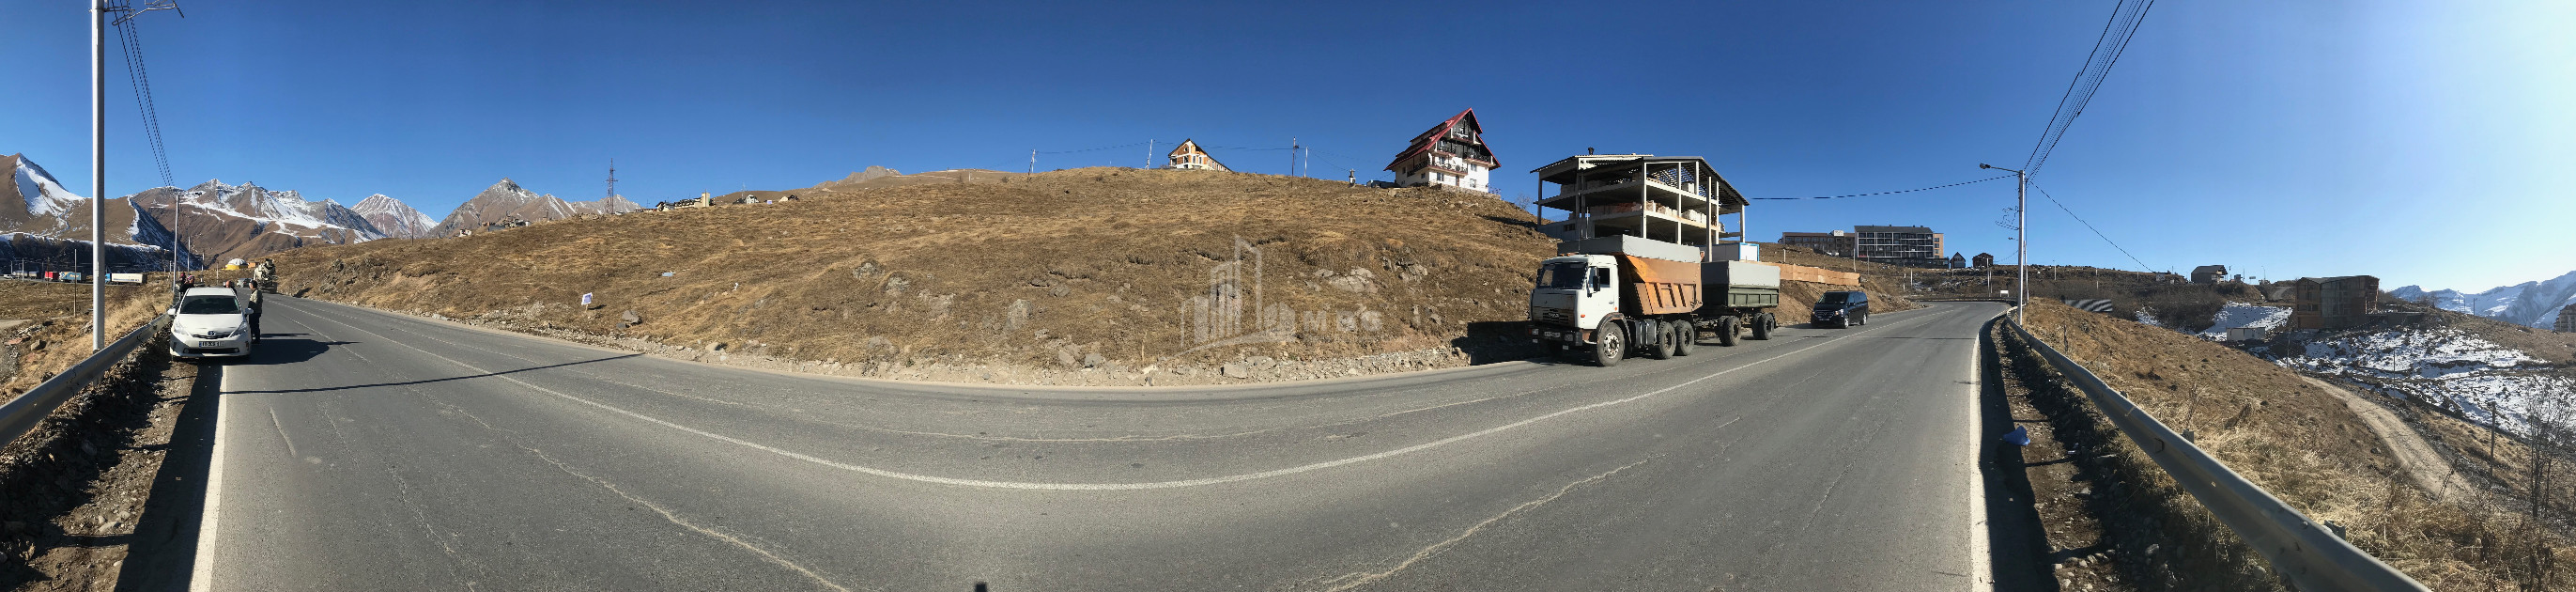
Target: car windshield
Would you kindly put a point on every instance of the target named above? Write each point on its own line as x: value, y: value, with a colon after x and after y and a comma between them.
x: 209, y: 305
x: 1835, y: 298
x: 1563, y: 276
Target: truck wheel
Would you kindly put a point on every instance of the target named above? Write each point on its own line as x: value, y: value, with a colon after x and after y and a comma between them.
x: 1663, y: 347
x: 1762, y: 327
x: 1726, y: 328
x: 1612, y: 344
x: 1685, y: 336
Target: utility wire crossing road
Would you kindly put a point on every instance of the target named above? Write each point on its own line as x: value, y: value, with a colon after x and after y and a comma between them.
x: 366, y: 450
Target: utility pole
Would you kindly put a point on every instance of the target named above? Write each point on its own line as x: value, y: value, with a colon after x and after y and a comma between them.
x: 1149, y: 154
x: 1292, y: 156
x: 1033, y: 162
x: 97, y: 174
x: 2021, y: 238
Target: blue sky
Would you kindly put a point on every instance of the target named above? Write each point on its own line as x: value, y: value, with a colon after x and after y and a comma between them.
x: 2425, y: 143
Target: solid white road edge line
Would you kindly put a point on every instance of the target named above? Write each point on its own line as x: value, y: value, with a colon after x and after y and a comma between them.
x: 1083, y: 486
x: 201, y: 576
x: 1981, y: 562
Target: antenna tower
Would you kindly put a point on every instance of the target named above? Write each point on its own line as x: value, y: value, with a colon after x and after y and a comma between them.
x: 612, y: 177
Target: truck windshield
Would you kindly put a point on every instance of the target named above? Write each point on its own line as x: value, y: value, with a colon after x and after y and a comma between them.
x: 209, y: 305
x: 1562, y: 276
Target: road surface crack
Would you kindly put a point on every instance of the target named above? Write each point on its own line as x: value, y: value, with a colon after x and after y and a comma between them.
x: 1357, y: 579
x: 675, y: 518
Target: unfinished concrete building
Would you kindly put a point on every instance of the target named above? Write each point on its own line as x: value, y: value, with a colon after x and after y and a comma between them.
x: 1676, y: 199
x: 2567, y: 319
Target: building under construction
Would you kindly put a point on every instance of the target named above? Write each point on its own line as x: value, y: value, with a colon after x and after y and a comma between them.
x: 1675, y: 199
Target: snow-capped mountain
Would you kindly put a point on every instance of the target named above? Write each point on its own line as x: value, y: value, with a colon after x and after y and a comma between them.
x: 2534, y: 304
x: 393, y: 217
x: 506, y: 200
x: 43, y: 225
x: 226, y: 221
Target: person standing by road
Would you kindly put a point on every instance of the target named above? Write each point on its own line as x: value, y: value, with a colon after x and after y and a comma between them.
x: 252, y: 313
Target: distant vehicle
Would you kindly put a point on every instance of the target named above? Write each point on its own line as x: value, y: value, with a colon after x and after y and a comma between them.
x: 209, y: 322
x: 125, y: 278
x: 73, y: 276
x: 53, y: 276
x: 1842, y: 309
x: 1623, y: 294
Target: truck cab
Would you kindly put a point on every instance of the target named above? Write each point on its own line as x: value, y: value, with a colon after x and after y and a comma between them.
x: 1574, y: 292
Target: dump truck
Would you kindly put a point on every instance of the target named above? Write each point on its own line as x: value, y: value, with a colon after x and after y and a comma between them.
x: 1606, y: 299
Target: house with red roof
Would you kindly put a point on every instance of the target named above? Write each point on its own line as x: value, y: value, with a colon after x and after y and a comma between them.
x: 1189, y: 156
x: 1451, y: 154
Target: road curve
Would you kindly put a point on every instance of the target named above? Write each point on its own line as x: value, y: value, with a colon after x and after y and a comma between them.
x: 365, y: 450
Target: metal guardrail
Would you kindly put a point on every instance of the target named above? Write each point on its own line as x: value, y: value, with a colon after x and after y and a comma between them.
x: 2301, y: 550
x: 23, y: 413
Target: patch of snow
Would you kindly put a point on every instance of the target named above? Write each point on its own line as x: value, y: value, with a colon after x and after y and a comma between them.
x: 2148, y: 318
x: 2484, y: 381
x: 45, y: 196
x: 2238, y: 314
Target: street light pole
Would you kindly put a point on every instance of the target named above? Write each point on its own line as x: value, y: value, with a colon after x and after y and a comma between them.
x: 2021, y: 239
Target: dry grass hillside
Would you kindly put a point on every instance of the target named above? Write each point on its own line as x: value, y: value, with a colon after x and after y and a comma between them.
x: 44, y: 326
x: 2305, y: 446
x: 1036, y: 279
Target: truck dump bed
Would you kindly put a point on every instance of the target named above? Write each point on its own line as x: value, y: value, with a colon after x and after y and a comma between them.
x: 1658, y: 287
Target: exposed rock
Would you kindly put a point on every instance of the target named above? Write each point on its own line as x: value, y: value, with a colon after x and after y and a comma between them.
x: 1236, y: 370
x: 631, y: 318
x: 1093, y: 360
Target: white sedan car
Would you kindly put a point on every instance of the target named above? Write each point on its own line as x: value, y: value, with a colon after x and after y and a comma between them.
x: 210, y: 322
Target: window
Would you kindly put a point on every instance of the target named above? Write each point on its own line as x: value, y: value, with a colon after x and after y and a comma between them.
x: 1600, y: 277
x: 1561, y: 276
x: 209, y: 305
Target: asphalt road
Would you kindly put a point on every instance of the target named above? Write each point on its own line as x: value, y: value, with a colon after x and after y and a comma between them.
x: 365, y: 450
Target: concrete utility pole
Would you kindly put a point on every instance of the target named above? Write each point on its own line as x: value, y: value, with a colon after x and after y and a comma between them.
x: 97, y: 175
x: 2021, y: 238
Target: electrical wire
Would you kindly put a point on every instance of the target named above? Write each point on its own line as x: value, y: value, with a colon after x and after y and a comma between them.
x: 2070, y: 213
x: 142, y: 84
x: 2107, y: 49
x: 1891, y: 192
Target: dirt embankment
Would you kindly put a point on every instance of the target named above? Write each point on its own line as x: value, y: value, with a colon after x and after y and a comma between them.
x: 44, y: 326
x: 1087, y: 276
x: 1071, y: 277
x: 2306, y: 446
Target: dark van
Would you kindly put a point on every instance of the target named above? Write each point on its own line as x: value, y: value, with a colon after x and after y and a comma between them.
x: 1842, y: 309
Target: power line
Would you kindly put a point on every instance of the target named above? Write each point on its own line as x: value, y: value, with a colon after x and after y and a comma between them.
x: 2114, y: 41
x: 1892, y: 192
x: 142, y: 84
x: 2070, y: 213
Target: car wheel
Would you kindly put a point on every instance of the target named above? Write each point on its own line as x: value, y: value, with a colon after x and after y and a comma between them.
x: 1611, y: 345
x: 1686, y: 336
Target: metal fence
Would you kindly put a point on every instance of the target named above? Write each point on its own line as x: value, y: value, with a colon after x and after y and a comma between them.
x: 2302, y: 551
x: 20, y: 415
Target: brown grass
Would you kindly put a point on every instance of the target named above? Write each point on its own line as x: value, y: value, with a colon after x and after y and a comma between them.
x: 2302, y: 445
x: 58, y: 316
